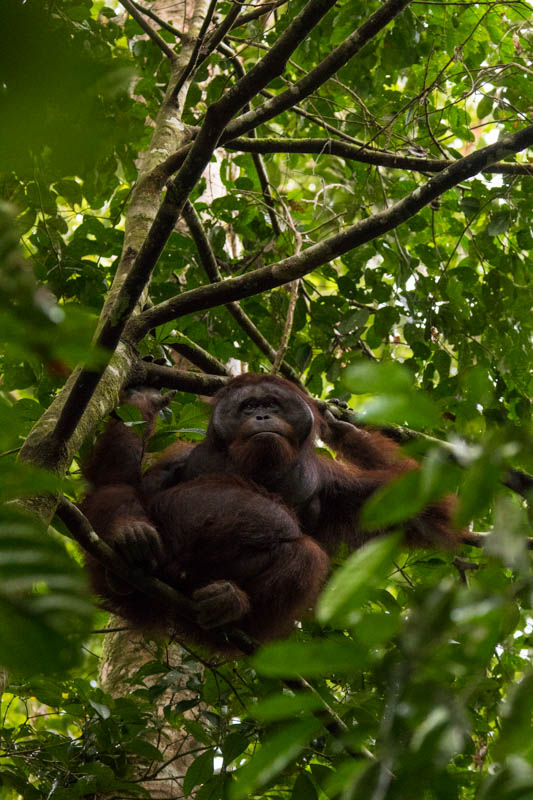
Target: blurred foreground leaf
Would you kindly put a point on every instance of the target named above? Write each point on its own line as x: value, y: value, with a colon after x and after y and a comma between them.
x: 354, y: 582
x: 273, y: 756
x: 290, y: 659
x: 45, y: 611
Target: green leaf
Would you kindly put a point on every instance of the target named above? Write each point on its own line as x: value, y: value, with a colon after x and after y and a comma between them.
x: 129, y: 414
x: 476, y: 490
x: 414, y: 410
x: 199, y: 772
x: 484, y: 107
x: 499, y: 223
x: 234, y: 745
x: 70, y: 190
x: 23, y: 480
x: 310, y: 659
x: 516, y: 717
x: 354, y: 583
x: 513, y: 781
x: 144, y: 749
x: 101, y: 709
x: 470, y: 205
x: 273, y: 756
x: 281, y: 706
x: 214, y: 788
x: 394, y: 502
x: 103, y: 775
x: 44, y: 611
x: 29, y: 641
x: 304, y: 788
x: 368, y: 378
x: 375, y: 628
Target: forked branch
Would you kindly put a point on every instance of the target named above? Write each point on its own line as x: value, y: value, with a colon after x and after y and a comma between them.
x: 217, y: 117
x: 365, y: 230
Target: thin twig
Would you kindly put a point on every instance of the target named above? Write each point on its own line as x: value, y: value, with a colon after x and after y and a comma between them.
x: 293, y: 296
x: 189, y: 68
x: 410, y: 103
x: 210, y: 266
x: 266, y: 8
x: 221, y: 30
x: 258, y: 161
x: 265, y: 189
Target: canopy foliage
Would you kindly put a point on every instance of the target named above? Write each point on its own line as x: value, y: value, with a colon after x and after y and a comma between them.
x: 342, y: 190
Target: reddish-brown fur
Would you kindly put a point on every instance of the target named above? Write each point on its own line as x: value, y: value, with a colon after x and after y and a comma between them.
x: 243, y: 523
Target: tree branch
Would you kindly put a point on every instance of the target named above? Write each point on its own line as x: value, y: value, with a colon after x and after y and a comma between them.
x: 287, y: 328
x: 88, y: 539
x: 520, y: 482
x: 147, y: 28
x: 266, y: 8
x: 365, y: 230
x: 265, y: 189
x: 293, y: 296
x: 479, y: 539
x: 175, y: 601
x: 216, y: 37
x: 197, y: 356
x: 258, y: 161
x: 378, y: 158
x: 172, y: 378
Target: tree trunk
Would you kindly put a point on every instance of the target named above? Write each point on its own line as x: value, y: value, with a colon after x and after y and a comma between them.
x: 124, y: 654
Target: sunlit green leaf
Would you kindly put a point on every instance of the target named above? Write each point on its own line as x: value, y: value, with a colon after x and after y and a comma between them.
x: 370, y: 378
x: 315, y: 658
x: 413, y: 409
x: 517, y: 715
x: 281, y: 706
